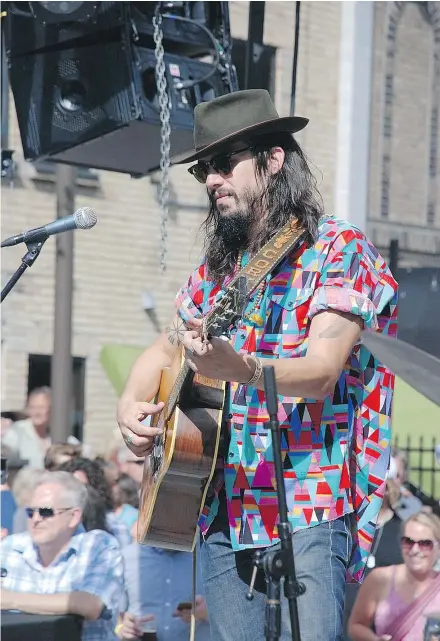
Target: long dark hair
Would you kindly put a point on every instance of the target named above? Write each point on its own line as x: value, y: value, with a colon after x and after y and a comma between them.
x: 290, y: 193
x: 95, y: 477
x: 95, y: 512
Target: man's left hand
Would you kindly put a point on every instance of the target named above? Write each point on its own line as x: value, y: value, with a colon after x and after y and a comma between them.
x: 216, y: 358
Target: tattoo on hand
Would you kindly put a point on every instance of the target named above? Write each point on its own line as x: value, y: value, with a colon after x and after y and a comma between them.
x: 176, y: 332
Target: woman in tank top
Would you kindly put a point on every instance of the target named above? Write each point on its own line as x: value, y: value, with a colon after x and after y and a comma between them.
x: 397, y: 600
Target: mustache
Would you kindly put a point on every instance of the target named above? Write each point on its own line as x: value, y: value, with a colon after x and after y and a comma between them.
x: 213, y: 194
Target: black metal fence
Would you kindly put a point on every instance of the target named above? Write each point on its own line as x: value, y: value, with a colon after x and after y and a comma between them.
x: 423, y: 458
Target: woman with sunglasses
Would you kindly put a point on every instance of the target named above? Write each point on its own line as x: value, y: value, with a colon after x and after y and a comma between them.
x: 397, y: 599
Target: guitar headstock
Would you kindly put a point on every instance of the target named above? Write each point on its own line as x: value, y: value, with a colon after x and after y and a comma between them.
x: 229, y: 310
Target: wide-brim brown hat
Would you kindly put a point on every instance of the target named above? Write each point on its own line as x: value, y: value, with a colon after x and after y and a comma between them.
x: 237, y: 116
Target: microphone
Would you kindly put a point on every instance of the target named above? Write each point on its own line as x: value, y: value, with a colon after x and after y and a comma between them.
x: 83, y: 218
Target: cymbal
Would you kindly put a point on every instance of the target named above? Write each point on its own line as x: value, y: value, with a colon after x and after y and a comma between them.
x: 414, y: 366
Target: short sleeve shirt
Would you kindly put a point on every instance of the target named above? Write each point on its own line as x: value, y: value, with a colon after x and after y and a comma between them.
x: 335, y: 451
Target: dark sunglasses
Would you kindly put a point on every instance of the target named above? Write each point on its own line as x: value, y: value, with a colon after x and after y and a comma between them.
x: 45, y: 512
x: 221, y: 164
x: 426, y: 545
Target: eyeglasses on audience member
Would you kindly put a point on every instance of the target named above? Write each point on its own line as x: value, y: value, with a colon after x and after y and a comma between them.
x: 46, y: 512
x: 425, y: 545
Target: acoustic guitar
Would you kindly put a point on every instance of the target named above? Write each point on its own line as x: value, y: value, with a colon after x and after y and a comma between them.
x: 178, y: 471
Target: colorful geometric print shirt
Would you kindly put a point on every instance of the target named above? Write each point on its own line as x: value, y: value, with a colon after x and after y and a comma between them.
x: 335, y: 451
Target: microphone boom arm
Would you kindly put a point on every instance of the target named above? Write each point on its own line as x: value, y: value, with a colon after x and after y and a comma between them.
x: 33, y: 251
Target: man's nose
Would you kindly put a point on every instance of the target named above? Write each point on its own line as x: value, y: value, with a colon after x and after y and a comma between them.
x: 36, y: 518
x: 214, y: 180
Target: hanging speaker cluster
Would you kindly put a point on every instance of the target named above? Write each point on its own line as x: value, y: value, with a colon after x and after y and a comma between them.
x: 83, y: 77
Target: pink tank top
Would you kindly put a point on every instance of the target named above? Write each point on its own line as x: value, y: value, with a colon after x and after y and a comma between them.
x: 393, y: 607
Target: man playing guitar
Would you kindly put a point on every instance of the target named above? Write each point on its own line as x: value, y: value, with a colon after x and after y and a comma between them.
x: 305, y: 319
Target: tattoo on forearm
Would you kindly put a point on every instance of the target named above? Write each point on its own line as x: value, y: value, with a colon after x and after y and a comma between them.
x: 333, y: 331
x: 337, y: 327
x: 176, y: 331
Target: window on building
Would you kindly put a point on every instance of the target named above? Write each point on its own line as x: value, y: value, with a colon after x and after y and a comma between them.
x: 39, y: 375
x: 266, y: 65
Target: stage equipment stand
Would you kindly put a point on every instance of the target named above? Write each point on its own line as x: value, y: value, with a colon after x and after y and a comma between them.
x: 278, y: 563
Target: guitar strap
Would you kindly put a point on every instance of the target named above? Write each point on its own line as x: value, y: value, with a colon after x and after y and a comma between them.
x: 269, y: 256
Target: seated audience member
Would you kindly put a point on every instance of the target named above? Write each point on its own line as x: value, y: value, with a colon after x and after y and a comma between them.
x: 130, y: 464
x: 8, y: 419
x: 397, y: 599
x: 126, y: 498
x: 90, y: 473
x: 29, y: 439
x: 156, y: 582
x: 60, y: 453
x: 95, y: 512
x: 8, y: 504
x: 22, y: 488
x: 407, y: 504
x: 57, y: 567
x: 111, y: 471
x: 386, y: 543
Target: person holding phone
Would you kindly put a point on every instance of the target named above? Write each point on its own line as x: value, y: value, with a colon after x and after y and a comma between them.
x: 158, y: 587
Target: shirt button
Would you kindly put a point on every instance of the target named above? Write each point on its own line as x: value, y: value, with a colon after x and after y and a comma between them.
x: 230, y: 416
x: 167, y: 580
x: 167, y: 627
x: 231, y: 455
x: 167, y: 605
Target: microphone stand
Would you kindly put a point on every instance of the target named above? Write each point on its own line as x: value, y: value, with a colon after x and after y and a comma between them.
x: 278, y: 563
x: 28, y: 260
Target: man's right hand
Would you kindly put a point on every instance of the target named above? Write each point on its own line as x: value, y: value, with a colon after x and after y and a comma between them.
x: 138, y: 438
x: 132, y: 626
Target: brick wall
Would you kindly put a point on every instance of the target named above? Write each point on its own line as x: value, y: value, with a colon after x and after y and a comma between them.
x: 413, y: 89
x: 118, y: 259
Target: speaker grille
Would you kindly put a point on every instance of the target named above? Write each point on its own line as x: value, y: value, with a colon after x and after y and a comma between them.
x: 66, y: 97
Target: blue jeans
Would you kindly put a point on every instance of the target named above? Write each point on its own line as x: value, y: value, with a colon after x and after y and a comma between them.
x: 321, y: 556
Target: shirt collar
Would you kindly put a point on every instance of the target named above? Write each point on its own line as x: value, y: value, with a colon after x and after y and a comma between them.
x: 30, y: 550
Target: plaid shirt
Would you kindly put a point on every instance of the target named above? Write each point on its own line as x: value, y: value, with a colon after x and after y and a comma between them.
x: 335, y: 452
x: 92, y: 563
x: 118, y: 529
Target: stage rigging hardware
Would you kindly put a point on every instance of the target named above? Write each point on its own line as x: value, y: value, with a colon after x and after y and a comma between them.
x: 86, y: 92
x: 113, y: 85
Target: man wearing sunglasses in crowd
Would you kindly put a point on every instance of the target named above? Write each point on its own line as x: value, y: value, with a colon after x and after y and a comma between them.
x: 305, y: 319
x: 57, y: 567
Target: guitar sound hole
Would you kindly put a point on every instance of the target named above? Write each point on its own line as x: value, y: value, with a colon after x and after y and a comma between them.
x: 156, y: 458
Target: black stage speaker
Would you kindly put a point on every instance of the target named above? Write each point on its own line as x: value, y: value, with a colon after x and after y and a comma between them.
x: 92, y: 101
x: 37, y: 26
x: 134, y: 147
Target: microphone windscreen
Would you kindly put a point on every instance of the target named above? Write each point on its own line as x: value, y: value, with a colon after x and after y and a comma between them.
x: 85, y: 218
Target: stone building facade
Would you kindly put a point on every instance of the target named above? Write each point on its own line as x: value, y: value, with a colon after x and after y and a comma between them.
x: 116, y: 263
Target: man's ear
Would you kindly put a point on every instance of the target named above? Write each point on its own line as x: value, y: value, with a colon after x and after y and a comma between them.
x: 76, y: 518
x: 276, y: 160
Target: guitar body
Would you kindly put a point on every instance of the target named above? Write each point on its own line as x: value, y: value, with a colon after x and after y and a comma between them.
x: 178, y: 471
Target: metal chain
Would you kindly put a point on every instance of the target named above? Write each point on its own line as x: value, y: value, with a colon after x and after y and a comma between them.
x: 165, y: 131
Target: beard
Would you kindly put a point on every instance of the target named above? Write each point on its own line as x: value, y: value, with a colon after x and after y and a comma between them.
x: 227, y: 234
